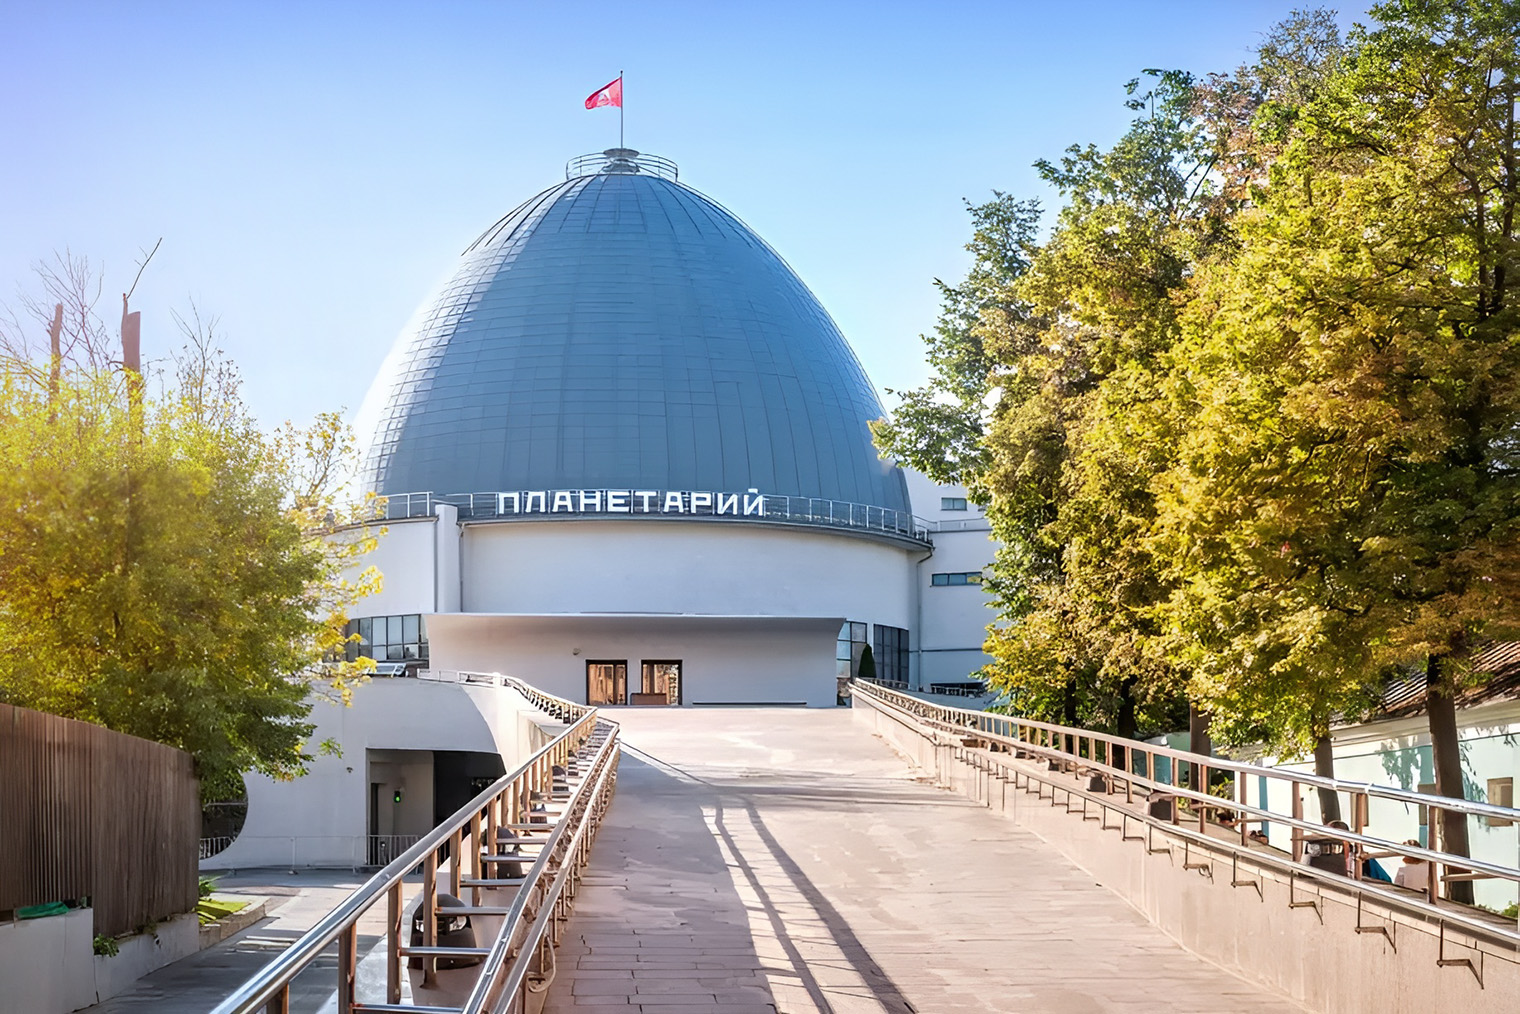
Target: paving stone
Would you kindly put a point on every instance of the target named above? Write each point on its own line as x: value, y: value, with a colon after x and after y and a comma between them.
x: 772, y: 861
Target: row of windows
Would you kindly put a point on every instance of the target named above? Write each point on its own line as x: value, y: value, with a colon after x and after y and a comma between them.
x: 968, y: 577
x: 388, y: 638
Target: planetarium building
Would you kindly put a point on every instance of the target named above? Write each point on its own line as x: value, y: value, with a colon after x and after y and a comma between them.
x: 626, y: 458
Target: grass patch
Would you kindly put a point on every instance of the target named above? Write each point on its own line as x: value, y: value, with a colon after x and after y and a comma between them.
x: 212, y: 909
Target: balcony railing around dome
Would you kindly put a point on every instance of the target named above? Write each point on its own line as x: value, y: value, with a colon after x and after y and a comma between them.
x: 792, y: 510
x: 622, y: 161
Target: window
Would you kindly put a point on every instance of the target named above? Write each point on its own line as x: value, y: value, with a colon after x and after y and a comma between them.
x: 952, y: 503
x: 660, y: 683
x: 851, y: 645
x: 1501, y: 792
x: 948, y: 580
x: 388, y: 638
x: 891, y: 651
x: 607, y: 681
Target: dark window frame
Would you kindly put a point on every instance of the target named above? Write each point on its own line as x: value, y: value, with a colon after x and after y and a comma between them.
x: 891, y: 648
x: 957, y: 579
x: 375, y: 641
x: 680, y: 665
x: 613, y: 662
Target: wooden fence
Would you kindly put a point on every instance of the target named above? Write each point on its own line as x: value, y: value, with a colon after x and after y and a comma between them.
x: 90, y: 813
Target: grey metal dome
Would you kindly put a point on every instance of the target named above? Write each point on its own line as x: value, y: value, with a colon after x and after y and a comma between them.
x: 621, y: 330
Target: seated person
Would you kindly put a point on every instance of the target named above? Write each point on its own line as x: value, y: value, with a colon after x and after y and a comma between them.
x: 1413, y: 873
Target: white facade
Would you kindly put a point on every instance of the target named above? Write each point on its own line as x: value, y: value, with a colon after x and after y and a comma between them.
x: 750, y: 610
x: 539, y: 597
x: 386, y: 738
x: 951, y: 622
x: 1397, y: 752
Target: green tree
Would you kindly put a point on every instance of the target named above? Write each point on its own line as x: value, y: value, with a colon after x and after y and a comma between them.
x: 867, y: 664
x: 1063, y: 380
x: 160, y: 570
x: 1348, y: 493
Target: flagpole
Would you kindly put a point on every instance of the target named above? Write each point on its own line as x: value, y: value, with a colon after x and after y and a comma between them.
x: 621, y: 100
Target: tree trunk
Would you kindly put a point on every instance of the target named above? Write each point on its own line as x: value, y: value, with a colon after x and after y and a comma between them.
x: 1128, y: 725
x: 1069, y: 715
x: 1199, y: 742
x: 1446, y: 753
x: 1324, y: 766
x: 55, y: 359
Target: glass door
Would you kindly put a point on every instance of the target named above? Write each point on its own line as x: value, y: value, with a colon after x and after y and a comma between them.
x: 659, y: 682
x: 607, y: 682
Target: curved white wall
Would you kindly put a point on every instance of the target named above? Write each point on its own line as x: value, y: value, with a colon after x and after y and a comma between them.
x: 698, y: 568
x: 320, y: 819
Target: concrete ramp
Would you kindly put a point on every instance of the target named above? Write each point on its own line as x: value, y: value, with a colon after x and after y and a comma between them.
x: 777, y: 860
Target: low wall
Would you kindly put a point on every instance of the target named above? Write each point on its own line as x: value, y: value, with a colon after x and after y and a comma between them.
x: 1308, y: 940
x: 49, y: 965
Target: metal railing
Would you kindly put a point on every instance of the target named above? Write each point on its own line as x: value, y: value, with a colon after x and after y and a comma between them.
x: 779, y: 509
x: 1132, y: 767
x: 211, y: 846
x: 577, y: 771
x: 565, y: 711
x: 621, y: 160
x: 963, y: 689
x: 380, y: 849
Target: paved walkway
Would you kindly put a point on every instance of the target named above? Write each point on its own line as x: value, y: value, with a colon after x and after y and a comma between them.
x: 195, y: 984
x: 772, y: 861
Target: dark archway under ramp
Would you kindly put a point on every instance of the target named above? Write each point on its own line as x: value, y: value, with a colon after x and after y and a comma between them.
x: 780, y: 860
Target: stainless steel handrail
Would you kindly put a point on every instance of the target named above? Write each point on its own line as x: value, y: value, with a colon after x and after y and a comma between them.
x: 498, y: 979
x: 985, y: 720
x: 270, y: 987
x: 1425, y: 904
x: 1040, y: 738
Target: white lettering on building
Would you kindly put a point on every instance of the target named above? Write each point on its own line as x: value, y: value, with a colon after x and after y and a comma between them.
x: 630, y: 501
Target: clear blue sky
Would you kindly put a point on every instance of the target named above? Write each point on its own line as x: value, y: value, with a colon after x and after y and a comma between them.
x: 315, y: 168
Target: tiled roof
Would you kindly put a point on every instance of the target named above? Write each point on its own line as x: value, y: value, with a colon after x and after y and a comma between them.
x: 1499, y: 661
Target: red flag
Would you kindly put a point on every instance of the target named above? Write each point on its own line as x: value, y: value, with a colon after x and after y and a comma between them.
x: 612, y: 95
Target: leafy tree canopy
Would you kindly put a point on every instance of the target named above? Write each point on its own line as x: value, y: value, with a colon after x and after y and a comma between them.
x: 163, y: 565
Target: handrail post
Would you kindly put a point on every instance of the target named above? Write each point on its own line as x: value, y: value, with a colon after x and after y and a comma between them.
x: 348, y: 961
x: 1241, y: 793
x: 1436, y: 832
x: 430, y: 916
x: 1203, y: 808
x: 393, y: 944
x: 476, y: 823
x: 1298, y: 814
x: 456, y: 860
